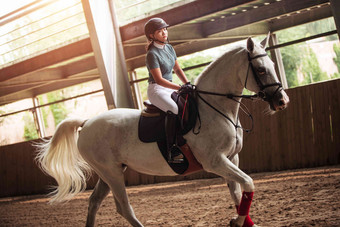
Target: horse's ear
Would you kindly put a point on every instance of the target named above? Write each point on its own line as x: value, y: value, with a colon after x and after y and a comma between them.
x: 250, y: 44
x: 264, y: 42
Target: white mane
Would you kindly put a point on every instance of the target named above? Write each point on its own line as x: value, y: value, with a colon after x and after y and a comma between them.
x: 227, y: 57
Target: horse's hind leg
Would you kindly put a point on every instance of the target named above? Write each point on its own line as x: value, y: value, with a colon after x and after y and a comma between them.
x: 98, y: 195
x: 115, y: 179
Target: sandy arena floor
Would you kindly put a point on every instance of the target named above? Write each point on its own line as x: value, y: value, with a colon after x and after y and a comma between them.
x: 308, y: 197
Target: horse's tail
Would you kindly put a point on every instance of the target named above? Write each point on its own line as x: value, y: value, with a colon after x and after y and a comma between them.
x: 59, y: 157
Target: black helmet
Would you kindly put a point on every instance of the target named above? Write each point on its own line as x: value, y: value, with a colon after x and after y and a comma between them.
x: 153, y: 25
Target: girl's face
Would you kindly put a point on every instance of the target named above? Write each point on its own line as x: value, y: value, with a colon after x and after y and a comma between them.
x: 160, y: 35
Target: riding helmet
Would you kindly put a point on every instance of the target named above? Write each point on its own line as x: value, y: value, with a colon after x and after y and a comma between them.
x: 153, y: 25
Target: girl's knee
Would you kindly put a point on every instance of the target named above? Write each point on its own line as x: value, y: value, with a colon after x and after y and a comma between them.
x: 173, y: 109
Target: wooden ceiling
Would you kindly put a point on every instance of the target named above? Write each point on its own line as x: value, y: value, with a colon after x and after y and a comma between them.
x: 195, y: 26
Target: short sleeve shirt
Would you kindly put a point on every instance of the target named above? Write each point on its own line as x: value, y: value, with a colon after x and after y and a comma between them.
x: 161, y: 58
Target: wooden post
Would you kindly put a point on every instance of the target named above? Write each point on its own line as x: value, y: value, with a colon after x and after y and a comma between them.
x: 38, y: 119
x: 335, y: 5
x: 136, y: 91
x: 277, y: 58
x: 124, y: 99
x: 109, y: 60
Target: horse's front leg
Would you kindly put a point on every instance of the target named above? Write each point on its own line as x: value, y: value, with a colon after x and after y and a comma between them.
x: 222, y: 166
x: 236, y: 194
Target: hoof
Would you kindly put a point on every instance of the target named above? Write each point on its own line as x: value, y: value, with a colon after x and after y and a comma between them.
x: 233, y: 223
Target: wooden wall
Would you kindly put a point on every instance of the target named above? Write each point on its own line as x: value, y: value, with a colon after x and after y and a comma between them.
x: 306, y: 134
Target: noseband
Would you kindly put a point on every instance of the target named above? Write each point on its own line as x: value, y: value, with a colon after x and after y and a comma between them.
x: 262, y: 94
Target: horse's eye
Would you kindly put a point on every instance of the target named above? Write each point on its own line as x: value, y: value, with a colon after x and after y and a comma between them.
x: 261, y: 71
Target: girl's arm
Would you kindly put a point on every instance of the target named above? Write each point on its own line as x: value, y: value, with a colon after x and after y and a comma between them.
x: 157, y: 76
x: 179, y: 72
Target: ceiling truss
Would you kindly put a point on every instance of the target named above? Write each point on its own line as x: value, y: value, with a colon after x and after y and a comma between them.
x: 195, y: 26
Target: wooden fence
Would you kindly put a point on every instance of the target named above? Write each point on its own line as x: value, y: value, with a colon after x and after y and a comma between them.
x: 306, y: 134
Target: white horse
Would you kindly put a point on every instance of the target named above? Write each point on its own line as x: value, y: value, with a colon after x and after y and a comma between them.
x: 109, y: 143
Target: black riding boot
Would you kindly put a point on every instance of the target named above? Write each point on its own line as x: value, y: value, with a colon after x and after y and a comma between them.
x: 174, y: 151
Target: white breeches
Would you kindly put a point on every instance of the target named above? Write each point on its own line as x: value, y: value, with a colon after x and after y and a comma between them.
x: 161, y: 97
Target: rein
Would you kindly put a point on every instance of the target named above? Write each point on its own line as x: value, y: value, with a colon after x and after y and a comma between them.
x: 232, y: 97
x: 262, y: 94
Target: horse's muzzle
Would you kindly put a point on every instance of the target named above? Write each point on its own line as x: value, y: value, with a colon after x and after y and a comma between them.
x: 280, y: 101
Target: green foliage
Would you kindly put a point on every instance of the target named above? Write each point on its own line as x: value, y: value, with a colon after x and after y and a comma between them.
x: 336, y: 59
x: 336, y: 48
x: 30, y: 131
x: 58, y: 110
x: 44, y: 110
x: 335, y: 76
x: 311, y: 68
x: 299, y: 57
x: 321, y: 26
x: 196, y: 60
x: 291, y: 55
x: 291, y: 60
x: 143, y: 86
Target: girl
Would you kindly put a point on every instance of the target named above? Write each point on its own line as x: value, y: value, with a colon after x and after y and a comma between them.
x: 161, y: 59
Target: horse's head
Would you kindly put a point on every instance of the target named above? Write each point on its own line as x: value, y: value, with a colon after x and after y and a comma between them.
x: 261, y: 76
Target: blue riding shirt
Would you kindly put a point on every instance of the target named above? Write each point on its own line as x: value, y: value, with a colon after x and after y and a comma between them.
x: 162, y: 57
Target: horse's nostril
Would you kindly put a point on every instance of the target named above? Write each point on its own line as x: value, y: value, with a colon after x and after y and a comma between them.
x: 282, y: 103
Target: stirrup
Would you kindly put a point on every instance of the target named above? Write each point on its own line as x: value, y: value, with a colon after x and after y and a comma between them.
x: 176, y: 155
x: 177, y: 159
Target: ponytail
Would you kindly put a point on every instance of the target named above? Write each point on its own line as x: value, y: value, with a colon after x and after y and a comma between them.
x: 148, y: 46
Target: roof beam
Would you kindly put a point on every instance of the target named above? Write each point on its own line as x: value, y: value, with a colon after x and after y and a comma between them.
x: 41, y: 78
x: 180, y: 15
x: 184, y: 49
x: 259, y: 14
x: 299, y: 18
x: 78, y: 67
x: 44, y: 60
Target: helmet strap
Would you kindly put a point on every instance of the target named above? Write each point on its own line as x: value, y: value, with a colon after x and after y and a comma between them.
x: 156, y: 40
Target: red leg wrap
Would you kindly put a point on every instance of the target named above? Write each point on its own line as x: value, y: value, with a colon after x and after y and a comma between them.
x: 247, y: 222
x: 244, y: 207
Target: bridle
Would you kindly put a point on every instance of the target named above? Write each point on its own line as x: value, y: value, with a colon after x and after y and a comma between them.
x: 262, y: 94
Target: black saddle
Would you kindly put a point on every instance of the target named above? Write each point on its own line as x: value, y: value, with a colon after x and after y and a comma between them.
x: 151, y: 126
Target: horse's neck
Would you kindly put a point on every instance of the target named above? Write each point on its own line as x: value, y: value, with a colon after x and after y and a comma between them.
x: 224, y: 77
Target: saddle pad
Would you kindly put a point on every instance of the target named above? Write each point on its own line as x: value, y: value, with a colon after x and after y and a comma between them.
x: 152, y: 129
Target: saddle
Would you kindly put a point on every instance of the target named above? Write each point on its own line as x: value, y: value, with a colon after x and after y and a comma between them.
x: 151, y: 128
